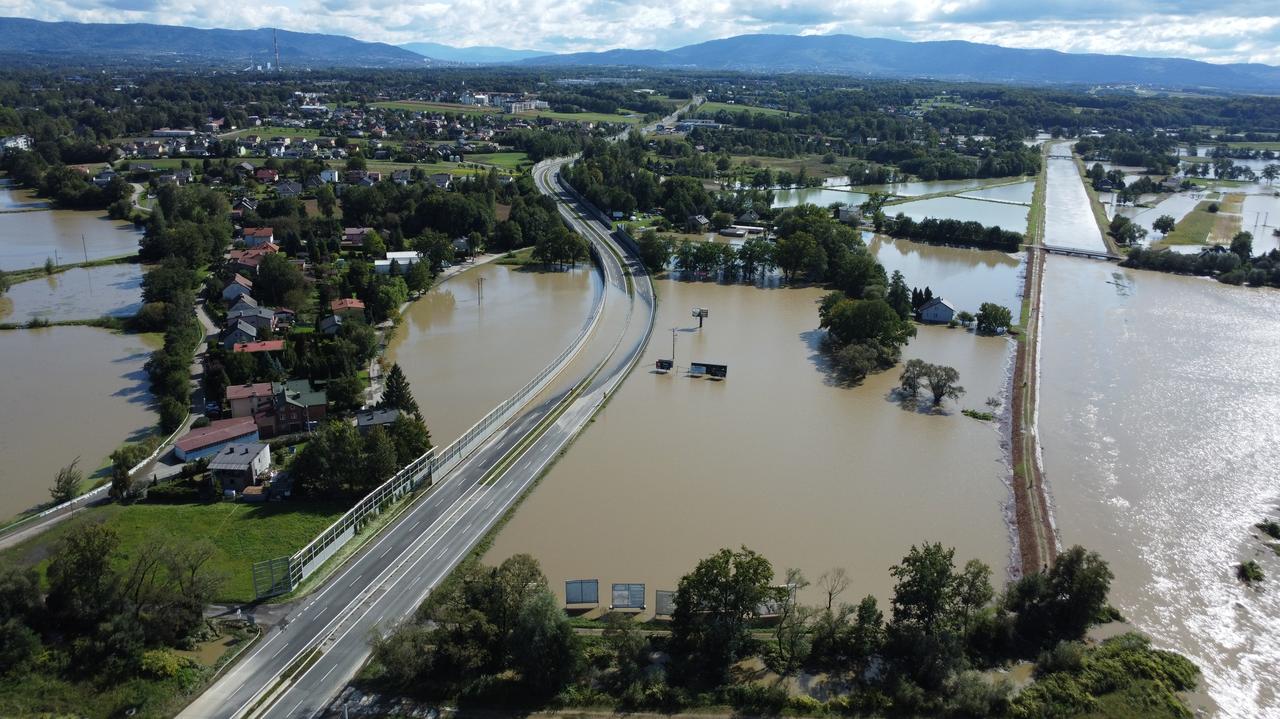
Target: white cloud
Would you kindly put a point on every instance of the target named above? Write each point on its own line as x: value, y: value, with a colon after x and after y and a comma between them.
x: 1225, y: 31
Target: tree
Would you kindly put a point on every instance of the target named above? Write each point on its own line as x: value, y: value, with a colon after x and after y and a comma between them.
x: 655, y: 251
x: 992, y: 318
x: 714, y: 602
x: 792, y: 253
x: 418, y: 277
x: 914, y: 371
x: 942, y: 383
x: 374, y: 245
x: 325, y: 200
x: 543, y: 646
x: 4, y: 283
x: 396, y: 393
x: 627, y: 649
x: 924, y: 635
x: 899, y: 297
x: 1242, y: 245
x: 67, y: 484
x: 379, y: 459
x: 411, y: 439
x: 965, y: 317
x: 791, y: 633
x: 1164, y: 224
x: 277, y: 277
x: 82, y: 584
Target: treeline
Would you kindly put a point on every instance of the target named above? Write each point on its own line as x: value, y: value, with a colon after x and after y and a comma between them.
x: 496, y: 636
x: 1002, y: 159
x: 103, y: 618
x: 66, y: 186
x: 952, y: 232
x: 1154, y: 151
x: 339, y: 462
x: 1235, y: 266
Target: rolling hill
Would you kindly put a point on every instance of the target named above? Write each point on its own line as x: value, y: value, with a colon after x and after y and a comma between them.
x: 479, y: 55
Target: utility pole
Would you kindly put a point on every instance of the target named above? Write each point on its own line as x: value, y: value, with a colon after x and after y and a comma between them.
x: 673, y: 346
x: 84, y: 247
x: 480, y: 290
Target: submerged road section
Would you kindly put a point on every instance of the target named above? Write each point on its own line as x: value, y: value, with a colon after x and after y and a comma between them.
x: 305, y: 659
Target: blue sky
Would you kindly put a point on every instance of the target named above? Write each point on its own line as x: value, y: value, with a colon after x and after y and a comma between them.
x: 1218, y: 31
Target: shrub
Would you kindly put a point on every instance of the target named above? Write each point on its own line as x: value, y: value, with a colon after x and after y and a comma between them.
x: 162, y: 663
x: 1249, y: 572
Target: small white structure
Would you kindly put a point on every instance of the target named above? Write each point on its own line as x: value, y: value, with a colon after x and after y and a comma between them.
x: 402, y: 259
x: 937, y: 310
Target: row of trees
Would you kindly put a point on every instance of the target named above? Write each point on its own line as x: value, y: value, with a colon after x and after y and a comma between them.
x: 953, y: 232
x: 104, y: 614
x: 497, y: 635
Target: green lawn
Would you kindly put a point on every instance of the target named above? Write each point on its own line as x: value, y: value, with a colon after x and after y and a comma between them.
x: 505, y: 160
x: 1201, y: 226
x: 442, y: 107
x: 711, y: 108
x: 241, y: 533
x: 812, y: 164
x: 269, y: 131
x: 584, y: 116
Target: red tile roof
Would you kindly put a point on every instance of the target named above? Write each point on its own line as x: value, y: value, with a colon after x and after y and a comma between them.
x: 263, y: 346
x: 218, y: 431
x: 348, y: 303
x: 247, y: 391
x: 259, y: 232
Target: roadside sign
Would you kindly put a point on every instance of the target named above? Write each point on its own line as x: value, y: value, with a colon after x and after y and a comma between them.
x: 718, y: 371
x: 701, y: 312
x: 628, y: 596
x: 582, y: 591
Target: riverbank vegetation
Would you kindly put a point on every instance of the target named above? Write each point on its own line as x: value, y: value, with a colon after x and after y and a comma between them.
x: 1234, y: 265
x: 953, y: 232
x: 100, y: 633
x: 496, y: 638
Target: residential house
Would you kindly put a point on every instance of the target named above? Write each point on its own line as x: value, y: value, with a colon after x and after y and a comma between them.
x: 244, y: 302
x: 297, y: 405
x: 248, y: 400
x: 264, y: 174
x: 367, y: 419
x: 248, y: 260
x: 238, y: 288
x: 442, y: 180
x: 311, y: 183
x: 697, y: 223
x: 239, y: 466
x: 258, y: 236
x: 184, y: 176
x: 348, y: 308
x: 331, y: 175
x: 263, y: 319
x: 353, y: 237
x: 403, y: 261
x: 937, y: 310
x: 331, y: 324
x: 461, y: 248
x: 288, y: 188
x: 402, y: 177
x: 238, y: 333
x: 214, y: 437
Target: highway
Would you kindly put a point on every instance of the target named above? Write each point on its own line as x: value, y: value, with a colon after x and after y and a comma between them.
x: 303, y: 661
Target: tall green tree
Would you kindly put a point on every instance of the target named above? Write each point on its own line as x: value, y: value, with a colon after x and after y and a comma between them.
x: 396, y: 393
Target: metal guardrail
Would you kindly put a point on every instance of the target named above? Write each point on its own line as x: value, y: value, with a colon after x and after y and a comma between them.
x: 284, y: 574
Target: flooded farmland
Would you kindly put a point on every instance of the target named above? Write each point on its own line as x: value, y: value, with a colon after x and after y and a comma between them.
x: 965, y: 277
x: 77, y: 294
x: 1007, y: 215
x: 27, y: 239
x: 463, y: 355
x: 778, y: 457
x: 1159, y: 420
x: 80, y: 392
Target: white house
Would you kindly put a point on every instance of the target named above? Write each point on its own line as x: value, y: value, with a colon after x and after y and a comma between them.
x: 331, y: 175
x: 937, y: 310
x: 404, y: 259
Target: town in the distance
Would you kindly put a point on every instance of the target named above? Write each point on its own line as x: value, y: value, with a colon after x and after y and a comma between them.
x: 778, y: 375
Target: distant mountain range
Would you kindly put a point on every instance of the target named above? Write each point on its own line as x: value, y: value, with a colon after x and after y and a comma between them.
x: 479, y: 55
x: 51, y: 42
x: 947, y: 60
x: 23, y: 40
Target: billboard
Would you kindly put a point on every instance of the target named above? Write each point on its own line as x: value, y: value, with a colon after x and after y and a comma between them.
x: 582, y: 591
x: 711, y: 370
x: 628, y: 596
x: 664, y: 603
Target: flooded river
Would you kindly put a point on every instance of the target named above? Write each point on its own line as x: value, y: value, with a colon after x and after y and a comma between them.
x: 27, y: 239
x: 1160, y: 421
x: 72, y: 391
x: 778, y: 457
x: 1068, y: 216
x: 464, y: 355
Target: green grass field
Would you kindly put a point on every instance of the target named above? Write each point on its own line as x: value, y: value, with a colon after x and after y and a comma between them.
x: 584, y: 116
x: 711, y: 108
x: 240, y: 533
x: 269, y: 131
x: 505, y: 160
x: 812, y: 164
x: 442, y: 107
x: 1203, y: 227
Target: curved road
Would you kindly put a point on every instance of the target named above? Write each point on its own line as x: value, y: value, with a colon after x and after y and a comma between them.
x: 306, y: 658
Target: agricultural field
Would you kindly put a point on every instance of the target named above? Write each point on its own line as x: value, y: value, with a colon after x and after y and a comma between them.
x: 812, y: 164
x: 711, y: 108
x: 442, y: 107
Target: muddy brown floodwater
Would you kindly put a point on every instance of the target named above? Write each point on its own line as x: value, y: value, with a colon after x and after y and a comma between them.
x: 1160, y: 422
x: 27, y: 239
x: 70, y: 392
x: 463, y: 355
x: 778, y: 458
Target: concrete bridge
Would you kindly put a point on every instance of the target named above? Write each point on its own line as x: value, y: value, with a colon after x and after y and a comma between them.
x: 1079, y: 252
